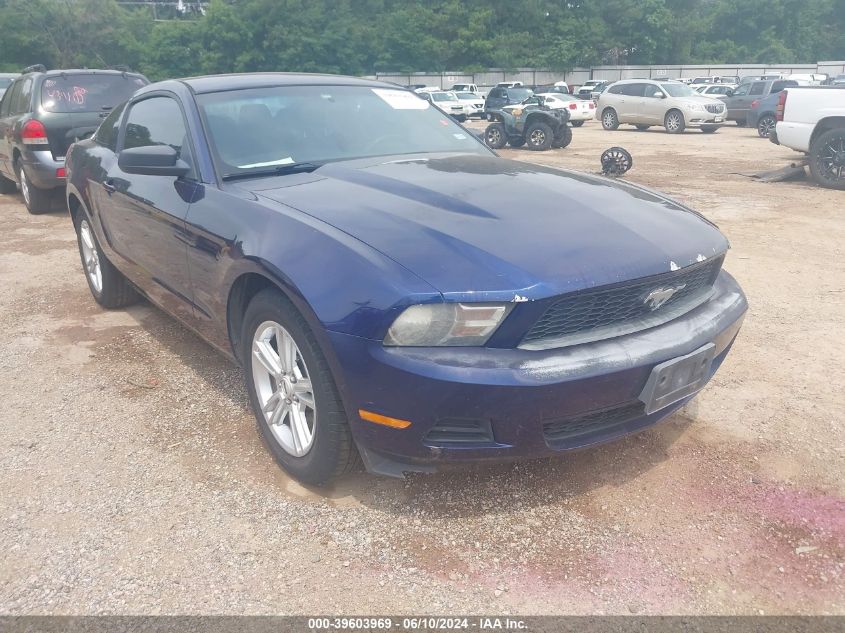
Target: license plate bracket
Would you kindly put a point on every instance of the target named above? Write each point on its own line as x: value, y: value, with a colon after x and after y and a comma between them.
x: 677, y: 378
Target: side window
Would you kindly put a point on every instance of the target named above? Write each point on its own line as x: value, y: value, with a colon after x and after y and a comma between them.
x: 780, y: 85
x: 11, y: 97
x: 652, y: 91
x: 757, y: 88
x: 633, y: 90
x: 4, y: 102
x: 106, y: 134
x: 615, y: 90
x: 23, y: 102
x: 742, y: 90
x: 157, y: 121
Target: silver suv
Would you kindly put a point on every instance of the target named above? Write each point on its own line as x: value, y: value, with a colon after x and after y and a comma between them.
x: 671, y: 104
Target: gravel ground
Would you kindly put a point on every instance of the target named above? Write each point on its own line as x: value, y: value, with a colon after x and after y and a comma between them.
x: 133, y: 480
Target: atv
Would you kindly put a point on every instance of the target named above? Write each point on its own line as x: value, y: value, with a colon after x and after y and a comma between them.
x: 530, y: 123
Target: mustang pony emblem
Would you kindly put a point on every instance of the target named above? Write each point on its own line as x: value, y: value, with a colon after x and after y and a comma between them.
x: 659, y: 296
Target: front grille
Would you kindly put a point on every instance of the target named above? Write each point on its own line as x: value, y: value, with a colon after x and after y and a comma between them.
x: 715, y: 108
x: 605, y: 312
x: 561, y: 431
x: 449, y: 432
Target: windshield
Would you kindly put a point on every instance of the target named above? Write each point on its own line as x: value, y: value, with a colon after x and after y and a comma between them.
x: 251, y: 130
x: 468, y: 96
x: 87, y: 93
x: 678, y: 90
x: 443, y: 96
x: 4, y: 82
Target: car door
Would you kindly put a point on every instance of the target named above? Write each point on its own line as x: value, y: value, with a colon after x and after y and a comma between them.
x: 144, y: 216
x: 632, y: 103
x: 653, y: 107
x: 7, y: 128
x: 734, y: 102
x: 743, y: 104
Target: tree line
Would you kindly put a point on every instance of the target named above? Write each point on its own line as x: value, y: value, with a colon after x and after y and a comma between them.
x: 360, y: 37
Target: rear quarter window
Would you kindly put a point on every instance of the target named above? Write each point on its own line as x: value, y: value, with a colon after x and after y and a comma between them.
x: 87, y: 93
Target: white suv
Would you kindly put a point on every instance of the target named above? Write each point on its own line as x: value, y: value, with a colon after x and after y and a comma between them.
x: 670, y: 104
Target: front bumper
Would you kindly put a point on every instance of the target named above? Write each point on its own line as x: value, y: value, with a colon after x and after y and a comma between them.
x: 41, y: 168
x: 697, y: 118
x: 518, y: 395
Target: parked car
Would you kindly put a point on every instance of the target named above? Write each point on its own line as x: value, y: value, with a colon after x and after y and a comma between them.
x: 579, y: 111
x: 532, y: 123
x: 586, y: 89
x: 597, y: 90
x: 769, y: 77
x: 498, y: 98
x: 447, y: 103
x: 761, y: 115
x: 671, y: 104
x: 456, y: 88
x: 839, y: 80
x: 393, y: 289
x: 42, y: 113
x: 558, y: 88
x: 700, y: 80
x: 473, y: 104
x: 714, y: 90
x: 6, y: 81
x: 812, y: 120
x: 509, y: 84
x: 738, y: 100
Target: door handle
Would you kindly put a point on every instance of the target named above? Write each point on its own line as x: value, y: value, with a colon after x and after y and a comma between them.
x: 108, y: 185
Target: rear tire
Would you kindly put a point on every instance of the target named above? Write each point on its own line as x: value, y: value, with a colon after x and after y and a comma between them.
x: 330, y: 451
x: 609, y: 119
x: 674, y: 122
x: 36, y: 200
x: 107, y: 284
x: 495, y: 136
x: 577, y: 123
x: 765, y: 125
x: 6, y: 185
x: 539, y: 137
x: 827, y: 159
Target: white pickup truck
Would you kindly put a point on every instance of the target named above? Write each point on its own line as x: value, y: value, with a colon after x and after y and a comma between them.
x: 811, y: 119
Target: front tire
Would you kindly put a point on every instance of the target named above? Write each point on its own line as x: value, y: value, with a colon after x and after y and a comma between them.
x: 827, y: 159
x: 36, y: 200
x: 292, y: 392
x: 565, y: 138
x: 107, y: 284
x: 577, y: 123
x: 674, y: 122
x: 766, y: 125
x: 609, y: 119
x: 539, y: 137
x: 495, y: 136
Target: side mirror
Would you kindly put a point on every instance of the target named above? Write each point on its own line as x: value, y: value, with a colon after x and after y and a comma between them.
x: 658, y: 95
x: 152, y: 160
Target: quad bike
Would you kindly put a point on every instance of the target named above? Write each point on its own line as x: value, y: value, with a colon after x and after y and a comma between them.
x: 530, y: 123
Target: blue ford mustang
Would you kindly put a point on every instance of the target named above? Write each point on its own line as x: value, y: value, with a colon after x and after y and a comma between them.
x: 392, y: 288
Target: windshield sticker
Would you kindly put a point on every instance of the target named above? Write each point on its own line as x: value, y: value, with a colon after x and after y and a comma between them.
x: 400, y: 99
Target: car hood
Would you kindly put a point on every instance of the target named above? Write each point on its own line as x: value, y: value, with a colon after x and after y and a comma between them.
x: 491, y: 228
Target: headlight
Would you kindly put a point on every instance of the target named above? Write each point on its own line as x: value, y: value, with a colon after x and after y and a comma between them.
x: 433, y: 324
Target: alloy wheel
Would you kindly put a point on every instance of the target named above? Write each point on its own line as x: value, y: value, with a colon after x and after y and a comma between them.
x: 283, y: 386
x: 538, y: 137
x: 673, y: 122
x: 494, y: 137
x: 765, y: 126
x: 609, y: 119
x: 832, y: 158
x: 25, y: 187
x: 90, y: 255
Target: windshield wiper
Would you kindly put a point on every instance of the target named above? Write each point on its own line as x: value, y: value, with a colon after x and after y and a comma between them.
x: 289, y: 168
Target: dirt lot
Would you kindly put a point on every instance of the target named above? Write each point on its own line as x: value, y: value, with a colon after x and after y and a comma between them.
x: 133, y: 480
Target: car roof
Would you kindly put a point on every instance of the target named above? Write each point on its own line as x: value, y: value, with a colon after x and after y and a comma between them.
x: 243, y: 81
x: 83, y: 71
